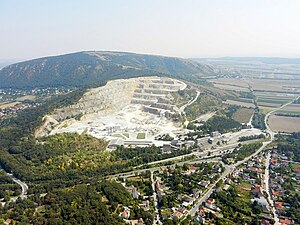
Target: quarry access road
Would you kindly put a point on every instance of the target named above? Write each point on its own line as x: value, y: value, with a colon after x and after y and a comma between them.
x: 182, y: 108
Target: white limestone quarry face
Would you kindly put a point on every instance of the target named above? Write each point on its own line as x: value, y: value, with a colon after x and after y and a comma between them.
x: 109, y: 110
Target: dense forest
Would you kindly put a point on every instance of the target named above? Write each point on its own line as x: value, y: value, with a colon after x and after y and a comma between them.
x: 222, y: 124
x: 258, y: 120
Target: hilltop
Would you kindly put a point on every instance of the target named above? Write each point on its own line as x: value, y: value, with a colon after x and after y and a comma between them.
x: 92, y: 68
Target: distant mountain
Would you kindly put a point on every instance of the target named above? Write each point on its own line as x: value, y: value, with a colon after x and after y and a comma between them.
x: 96, y: 67
x: 266, y: 60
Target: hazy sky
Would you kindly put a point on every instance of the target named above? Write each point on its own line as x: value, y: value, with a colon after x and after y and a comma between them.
x: 184, y: 28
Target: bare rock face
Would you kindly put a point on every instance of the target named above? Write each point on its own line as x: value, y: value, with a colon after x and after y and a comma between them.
x: 112, y: 97
x: 152, y: 93
x: 48, y: 124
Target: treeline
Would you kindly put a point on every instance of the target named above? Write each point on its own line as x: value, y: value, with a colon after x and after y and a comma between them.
x: 251, y: 137
x: 220, y: 123
x: 287, y: 114
x: 240, y: 153
x: 139, y: 155
x: 258, y: 120
x: 289, y: 145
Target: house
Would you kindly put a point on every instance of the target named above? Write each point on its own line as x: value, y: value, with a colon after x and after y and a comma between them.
x: 189, y: 144
x: 215, y: 134
x: 188, y: 201
x: 210, y: 203
x: 286, y: 221
x: 182, y: 209
x: 257, y: 191
x: 136, y: 222
x: 278, y: 205
x: 197, y: 193
x: 204, y: 183
x: 192, y: 169
x: 133, y: 192
x: 226, y: 186
x: 177, y: 215
x: 265, y: 222
x: 166, y: 148
x: 260, y: 201
x: 125, y: 214
x: 145, y: 205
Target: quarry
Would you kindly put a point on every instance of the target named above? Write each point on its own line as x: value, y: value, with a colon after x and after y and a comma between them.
x: 129, y: 112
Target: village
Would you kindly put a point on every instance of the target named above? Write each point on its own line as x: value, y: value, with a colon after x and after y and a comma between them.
x: 197, y: 191
x: 13, y: 101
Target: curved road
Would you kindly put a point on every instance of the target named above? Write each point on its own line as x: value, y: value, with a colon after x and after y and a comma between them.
x: 23, y: 185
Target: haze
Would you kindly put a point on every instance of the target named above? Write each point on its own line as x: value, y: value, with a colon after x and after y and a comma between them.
x: 189, y: 28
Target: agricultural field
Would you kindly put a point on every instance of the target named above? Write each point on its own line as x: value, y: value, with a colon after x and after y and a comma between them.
x: 293, y: 109
x: 284, y: 123
x: 265, y: 109
x: 260, y: 86
x: 286, y: 86
x: 273, y: 100
x: 7, y: 105
x: 240, y: 103
x: 231, y: 84
x: 243, y: 115
x: 27, y: 97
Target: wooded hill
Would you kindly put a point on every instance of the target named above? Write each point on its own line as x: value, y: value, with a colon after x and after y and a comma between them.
x: 95, y: 68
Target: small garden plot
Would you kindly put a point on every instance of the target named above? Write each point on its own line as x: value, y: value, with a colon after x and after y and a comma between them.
x: 141, y: 136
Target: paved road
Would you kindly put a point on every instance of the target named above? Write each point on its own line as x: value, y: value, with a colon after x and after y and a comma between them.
x: 199, y: 154
x: 181, y: 109
x: 272, y: 134
x: 192, y: 211
x: 23, y: 185
x: 268, y: 190
x: 156, y: 217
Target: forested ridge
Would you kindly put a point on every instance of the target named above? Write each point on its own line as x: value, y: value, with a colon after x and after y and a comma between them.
x: 93, y: 68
